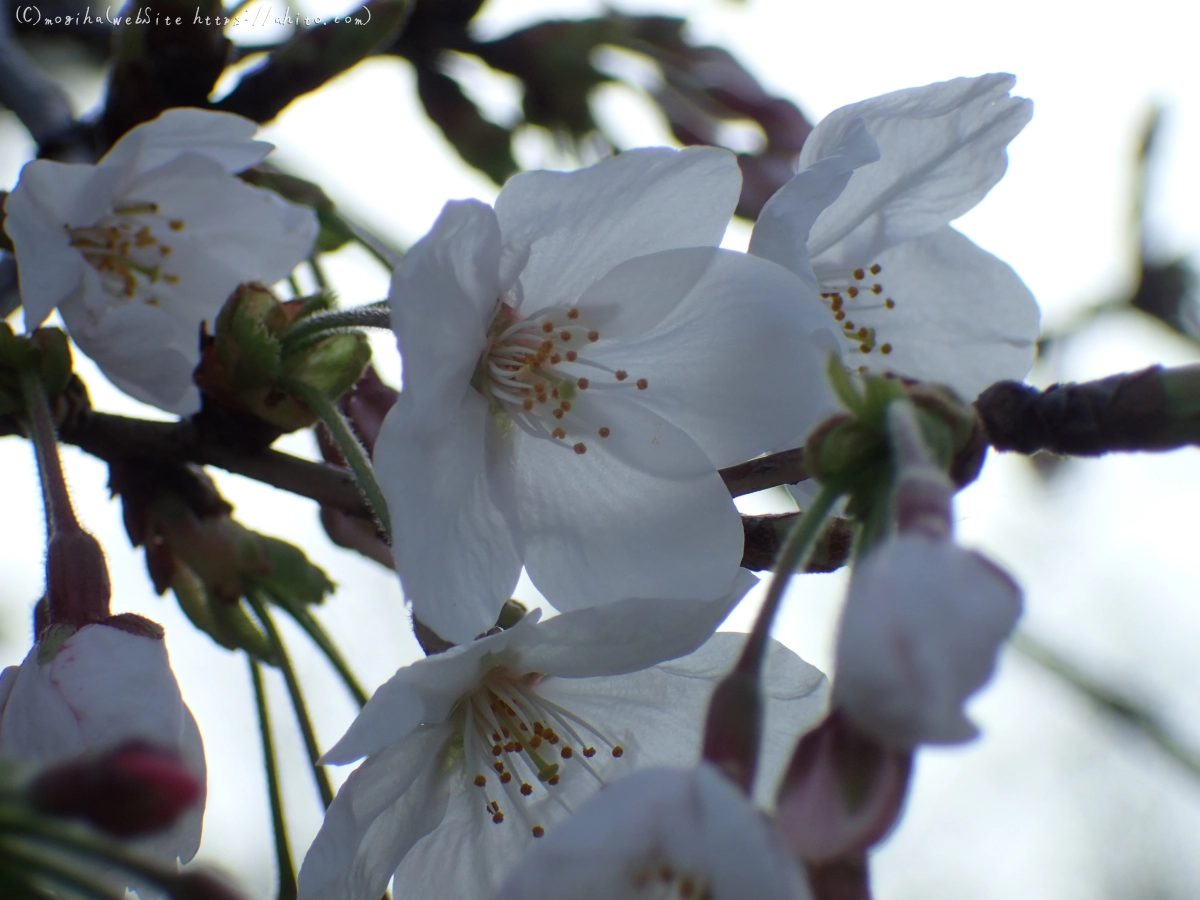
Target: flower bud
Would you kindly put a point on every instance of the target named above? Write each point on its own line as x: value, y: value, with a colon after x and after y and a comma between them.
x: 103, y: 687
x: 919, y: 634
x: 842, y: 792
x: 134, y: 789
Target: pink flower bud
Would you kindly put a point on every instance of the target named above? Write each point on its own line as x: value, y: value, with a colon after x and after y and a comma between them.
x: 842, y: 792
x: 99, y: 688
x: 135, y: 789
x: 919, y: 634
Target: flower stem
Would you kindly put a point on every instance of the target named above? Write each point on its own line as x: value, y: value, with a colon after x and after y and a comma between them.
x: 314, y: 630
x: 293, y: 686
x: 60, y: 517
x: 352, y: 449
x: 283, y: 855
x: 373, y: 315
x: 56, y: 870
x: 791, y: 557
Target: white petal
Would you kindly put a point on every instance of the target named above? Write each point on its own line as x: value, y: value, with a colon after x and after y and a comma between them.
x: 237, y: 232
x: 456, y: 537
x: 37, y: 724
x: 143, y: 350
x: 119, y: 685
x: 738, y: 363
x: 962, y: 317
x: 919, y: 634
x: 693, y: 822
x: 657, y: 714
x: 627, y: 635
x: 641, y: 513
x: 942, y: 148
x: 388, y: 804
x: 425, y: 692
x: 443, y: 297
x: 781, y: 231
x: 578, y: 225
x: 222, y: 137
x: 48, y: 266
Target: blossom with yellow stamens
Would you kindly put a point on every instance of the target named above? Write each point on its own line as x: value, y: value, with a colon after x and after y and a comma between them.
x: 138, y: 250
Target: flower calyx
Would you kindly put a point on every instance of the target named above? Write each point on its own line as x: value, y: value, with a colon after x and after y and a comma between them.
x: 45, y: 352
x: 195, y: 547
x: 857, y: 450
x: 246, y: 364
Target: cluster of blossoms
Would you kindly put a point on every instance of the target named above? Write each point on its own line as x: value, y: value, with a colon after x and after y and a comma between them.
x: 580, y: 360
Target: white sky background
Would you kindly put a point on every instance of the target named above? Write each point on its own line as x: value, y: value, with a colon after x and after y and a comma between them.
x: 1055, y: 801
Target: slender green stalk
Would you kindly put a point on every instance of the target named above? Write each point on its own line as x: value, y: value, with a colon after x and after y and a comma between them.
x: 55, y: 869
x: 1111, y: 701
x: 318, y: 272
x: 59, y: 514
x: 353, y: 451
x: 293, y: 686
x: 314, y: 630
x: 372, y: 315
x: 283, y: 854
x: 83, y: 841
x: 791, y: 557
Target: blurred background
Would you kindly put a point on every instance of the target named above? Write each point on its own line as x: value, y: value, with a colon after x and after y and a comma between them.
x: 1059, y: 798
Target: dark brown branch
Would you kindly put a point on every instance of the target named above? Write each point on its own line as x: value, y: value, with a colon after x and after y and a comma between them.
x: 766, y: 472
x: 1152, y: 410
x: 765, y: 534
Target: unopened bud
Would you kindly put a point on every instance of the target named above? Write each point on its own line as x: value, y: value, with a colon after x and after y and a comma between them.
x: 842, y: 792
x: 733, y: 728
x: 130, y: 791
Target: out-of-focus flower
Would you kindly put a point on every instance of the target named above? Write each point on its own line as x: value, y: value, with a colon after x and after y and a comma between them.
x: 129, y: 791
x: 138, y: 250
x: 475, y: 752
x: 924, y: 618
x: 686, y: 833
x: 100, y: 688
x: 578, y: 363
x: 866, y: 219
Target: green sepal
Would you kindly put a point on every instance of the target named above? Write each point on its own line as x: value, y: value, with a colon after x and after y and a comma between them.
x: 51, y: 640
x: 333, y: 365
x: 293, y: 581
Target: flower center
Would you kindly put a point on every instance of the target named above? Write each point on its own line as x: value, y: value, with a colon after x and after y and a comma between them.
x: 535, y: 368
x: 661, y: 881
x: 852, y: 298
x: 127, y: 252
x: 522, y: 745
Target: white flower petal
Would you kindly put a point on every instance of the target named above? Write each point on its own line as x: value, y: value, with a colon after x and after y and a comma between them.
x: 597, y: 641
x: 919, y: 634
x: 221, y: 137
x: 425, y: 691
x: 456, y: 537
x: 37, y: 723
x: 942, y: 148
x: 388, y: 804
x: 738, y: 363
x: 641, y: 513
x: 578, y: 225
x: 443, y: 297
x: 143, y: 350
x: 657, y: 713
x: 962, y: 317
x: 49, y: 268
x: 693, y: 824
x: 234, y: 231
x: 781, y: 231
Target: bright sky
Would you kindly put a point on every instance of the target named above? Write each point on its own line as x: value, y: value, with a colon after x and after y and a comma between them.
x: 1053, y: 802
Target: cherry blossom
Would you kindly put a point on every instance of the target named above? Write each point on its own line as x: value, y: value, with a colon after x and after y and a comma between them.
x: 578, y: 363
x: 475, y: 753
x: 139, y: 249
x: 866, y: 219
